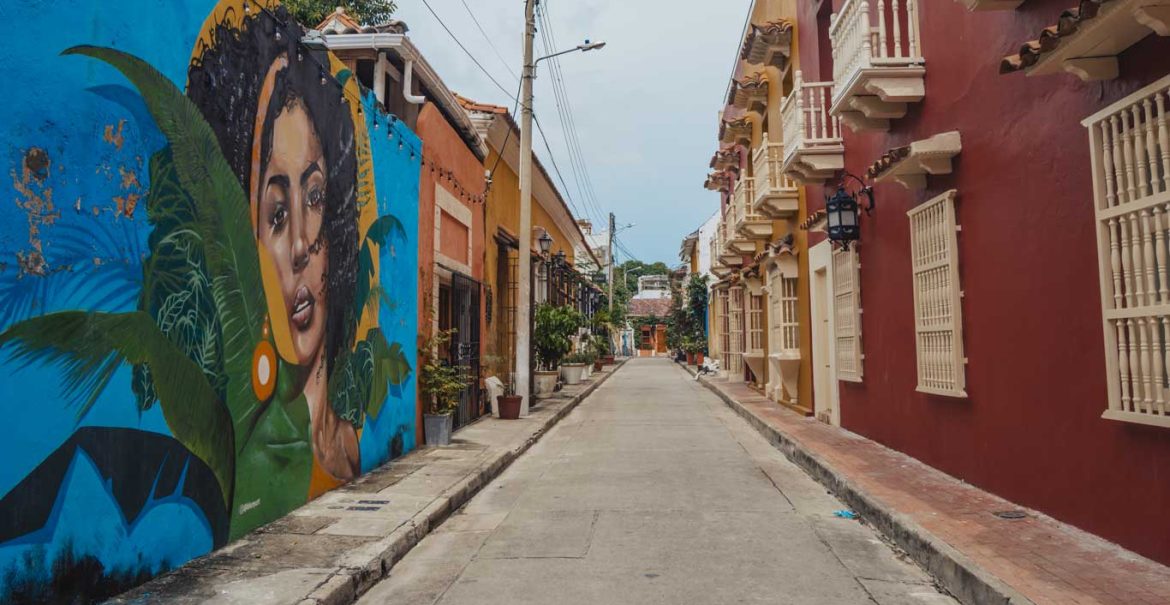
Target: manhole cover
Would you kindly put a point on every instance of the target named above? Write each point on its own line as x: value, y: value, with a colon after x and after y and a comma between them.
x: 1011, y: 514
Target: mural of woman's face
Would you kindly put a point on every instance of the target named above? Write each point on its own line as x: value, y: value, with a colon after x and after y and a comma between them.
x: 290, y: 212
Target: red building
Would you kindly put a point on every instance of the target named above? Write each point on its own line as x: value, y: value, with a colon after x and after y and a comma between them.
x: 1012, y: 279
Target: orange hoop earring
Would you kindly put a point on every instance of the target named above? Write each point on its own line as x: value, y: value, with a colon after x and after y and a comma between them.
x: 264, y: 367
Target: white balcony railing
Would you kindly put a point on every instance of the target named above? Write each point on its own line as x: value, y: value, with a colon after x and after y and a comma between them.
x: 777, y: 195
x: 877, y: 61
x: 813, y: 148
x: 750, y: 224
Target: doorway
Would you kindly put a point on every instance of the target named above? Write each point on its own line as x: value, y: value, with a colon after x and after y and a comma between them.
x: 463, y: 304
x: 825, y: 389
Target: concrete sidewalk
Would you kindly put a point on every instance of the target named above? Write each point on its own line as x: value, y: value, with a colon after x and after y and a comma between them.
x: 950, y: 527
x: 333, y: 549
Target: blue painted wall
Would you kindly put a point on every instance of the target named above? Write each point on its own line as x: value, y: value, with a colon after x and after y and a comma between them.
x: 109, y: 477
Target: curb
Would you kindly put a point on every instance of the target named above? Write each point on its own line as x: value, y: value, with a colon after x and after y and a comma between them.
x: 362, y: 568
x: 963, y: 578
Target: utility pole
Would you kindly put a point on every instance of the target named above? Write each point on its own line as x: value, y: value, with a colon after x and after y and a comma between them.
x: 610, y: 253
x: 524, y: 317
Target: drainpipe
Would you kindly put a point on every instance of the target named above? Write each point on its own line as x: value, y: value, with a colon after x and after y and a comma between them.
x: 408, y: 85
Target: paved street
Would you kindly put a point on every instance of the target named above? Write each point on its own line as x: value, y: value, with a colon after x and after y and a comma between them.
x: 653, y: 491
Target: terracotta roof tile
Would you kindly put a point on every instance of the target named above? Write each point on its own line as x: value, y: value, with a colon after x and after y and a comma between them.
x: 470, y: 105
x: 747, y: 89
x: 735, y: 124
x: 812, y: 220
x: 888, y: 159
x: 350, y: 26
x: 1050, y: 37
x: 645, y: 307
x: 761, y: 37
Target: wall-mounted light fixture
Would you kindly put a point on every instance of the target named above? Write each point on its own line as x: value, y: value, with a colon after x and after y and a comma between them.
x: 545, y: 241
x: 842, y: 212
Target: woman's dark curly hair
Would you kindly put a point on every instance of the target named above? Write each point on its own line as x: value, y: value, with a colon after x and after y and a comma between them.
x: 225, y: 80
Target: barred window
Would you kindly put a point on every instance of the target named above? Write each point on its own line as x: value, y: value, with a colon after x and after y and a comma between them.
x: 847, y: 314
x: 1130, y: 152
x: 938, y: 318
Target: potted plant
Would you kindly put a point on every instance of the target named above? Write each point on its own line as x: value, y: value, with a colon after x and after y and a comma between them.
x: 600, y: 350
x: 441, y: 384
x: 573, y: 368
x: 602, y: 324
x: 509, y: 403
x: 587, y: 358
x: 552, y: 340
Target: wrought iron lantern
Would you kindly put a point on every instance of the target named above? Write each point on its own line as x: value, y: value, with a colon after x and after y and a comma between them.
x: 842, y: 213
x: 545, y: 242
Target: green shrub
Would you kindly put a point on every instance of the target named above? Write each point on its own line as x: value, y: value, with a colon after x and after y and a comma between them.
x: 552, y: 338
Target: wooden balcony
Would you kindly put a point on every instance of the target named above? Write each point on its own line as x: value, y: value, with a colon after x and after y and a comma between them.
x: 777, y: 195
x: 813, y: 148
x: 877, y: 62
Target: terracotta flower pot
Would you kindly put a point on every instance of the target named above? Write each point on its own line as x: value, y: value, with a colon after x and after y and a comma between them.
x: 608, y: 360
x: 698, y: 359
x: 597, y: 365
x: 690, y: 359
x: 509, y: 406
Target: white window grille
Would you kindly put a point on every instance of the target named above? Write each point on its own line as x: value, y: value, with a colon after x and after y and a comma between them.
x: 725, y: 328
x: 756, y: 323
x: 847, y: 314
x: 775, y: 327
x: 788, y: 319
x: 736, y: 319
x: 1130, y: 151
x: 938, y: 318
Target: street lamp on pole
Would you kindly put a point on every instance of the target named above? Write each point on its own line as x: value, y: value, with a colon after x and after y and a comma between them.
x: 524, y: 293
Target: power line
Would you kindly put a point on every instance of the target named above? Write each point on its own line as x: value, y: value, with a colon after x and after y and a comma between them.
x: 568, y: 124
x: 467, y: 52
x: 556, y: 168
x: 489, y: 40
x: 515, y: 98
x: 556, y: 93
x: 571, y: 123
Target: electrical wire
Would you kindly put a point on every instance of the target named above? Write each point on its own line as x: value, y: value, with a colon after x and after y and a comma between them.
x: 556, y: 168
x: 489, y: 41
x: 554, y: 69
x: 507, y: 137
x: 468, y: 52
x: 568, y: 125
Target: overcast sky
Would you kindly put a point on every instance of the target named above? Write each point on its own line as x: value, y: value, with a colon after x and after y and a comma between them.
x: 645, y: 107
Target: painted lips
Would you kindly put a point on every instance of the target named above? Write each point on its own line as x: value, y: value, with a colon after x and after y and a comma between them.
x: 302, y: 310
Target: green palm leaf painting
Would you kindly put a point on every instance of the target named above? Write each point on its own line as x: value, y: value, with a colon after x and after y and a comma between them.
x: 84, y: 341
x: 223, y: 222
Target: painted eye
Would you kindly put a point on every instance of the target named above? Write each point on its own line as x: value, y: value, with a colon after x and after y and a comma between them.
x: 279, y: 218
x: 316, y: 198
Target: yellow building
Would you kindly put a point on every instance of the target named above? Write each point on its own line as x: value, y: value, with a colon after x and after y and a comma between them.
x: 760, y: 309
x: 550, y: 215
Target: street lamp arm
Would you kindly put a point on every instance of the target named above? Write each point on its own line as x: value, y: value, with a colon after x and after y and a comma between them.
x: 586, y: 47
